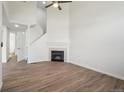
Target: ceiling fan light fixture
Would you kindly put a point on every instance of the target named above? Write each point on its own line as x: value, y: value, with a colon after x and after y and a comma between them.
x: 44, y: 2
x: 16, y: 25
x: 55, y: 5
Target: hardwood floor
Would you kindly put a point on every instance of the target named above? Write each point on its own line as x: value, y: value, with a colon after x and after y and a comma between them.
x: 55, y: 76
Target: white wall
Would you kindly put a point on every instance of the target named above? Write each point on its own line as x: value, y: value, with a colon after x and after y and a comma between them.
x: 58, y: 24
x: 41, y: 15
x: 0, y: 47
x: 97, y: 36
x: 5, y: 35
x: 20, y: 12
x: 5, y: 44
x: 35, y: 33
x: 37, y: 50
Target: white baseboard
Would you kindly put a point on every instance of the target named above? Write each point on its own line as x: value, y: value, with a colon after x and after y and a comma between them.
x: 1, y: 84
x: 100, y: 71
x: 107, y: 73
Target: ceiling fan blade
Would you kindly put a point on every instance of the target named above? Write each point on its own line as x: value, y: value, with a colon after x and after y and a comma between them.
x: 64, y: 1
x: 49, y: 5
x: 59, y: 7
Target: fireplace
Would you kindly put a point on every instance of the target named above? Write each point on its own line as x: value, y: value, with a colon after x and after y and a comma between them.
x: 57, y: 56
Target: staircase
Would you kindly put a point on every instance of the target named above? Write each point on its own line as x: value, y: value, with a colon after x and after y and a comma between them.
x: 38, y: 50
x: 40, y: 25
x: 35, y: 36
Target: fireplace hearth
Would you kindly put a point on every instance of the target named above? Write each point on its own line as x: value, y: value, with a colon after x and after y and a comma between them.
x: 57, y: 56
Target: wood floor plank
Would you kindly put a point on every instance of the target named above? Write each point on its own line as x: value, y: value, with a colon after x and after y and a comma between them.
x: 55, y: 77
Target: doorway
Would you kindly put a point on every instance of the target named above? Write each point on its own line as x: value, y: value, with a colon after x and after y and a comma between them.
x: 12, y: 44
x: 20, y: 46
x: 17, y: 46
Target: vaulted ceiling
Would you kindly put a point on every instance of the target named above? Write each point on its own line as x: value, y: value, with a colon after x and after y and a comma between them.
x: 23, y: 13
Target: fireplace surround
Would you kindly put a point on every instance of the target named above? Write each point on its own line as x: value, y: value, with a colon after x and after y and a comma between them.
x: 58, y: 49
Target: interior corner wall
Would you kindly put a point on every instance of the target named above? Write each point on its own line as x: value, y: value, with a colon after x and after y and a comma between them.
x: 97, y: 36
x: 0, y: 47
x: 58, y: 24
x: 37, y: 38
x: 4, y: 48
x: 38, y: 51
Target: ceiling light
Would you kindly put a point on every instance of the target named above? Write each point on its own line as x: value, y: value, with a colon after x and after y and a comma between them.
x: 16, y: 25
x: 55, y: 5
x: 23, y: 32
x: 44, y: 2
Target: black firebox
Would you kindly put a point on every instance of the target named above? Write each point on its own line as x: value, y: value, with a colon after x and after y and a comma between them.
x: 57, y: 56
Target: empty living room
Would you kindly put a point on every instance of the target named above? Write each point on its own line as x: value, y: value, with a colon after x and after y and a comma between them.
x: 62, y: 46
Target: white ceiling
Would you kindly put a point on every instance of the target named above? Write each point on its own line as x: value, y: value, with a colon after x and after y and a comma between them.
x: 22, y: 13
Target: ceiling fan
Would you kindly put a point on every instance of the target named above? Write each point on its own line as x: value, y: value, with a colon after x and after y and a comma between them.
x: 56, y: 4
